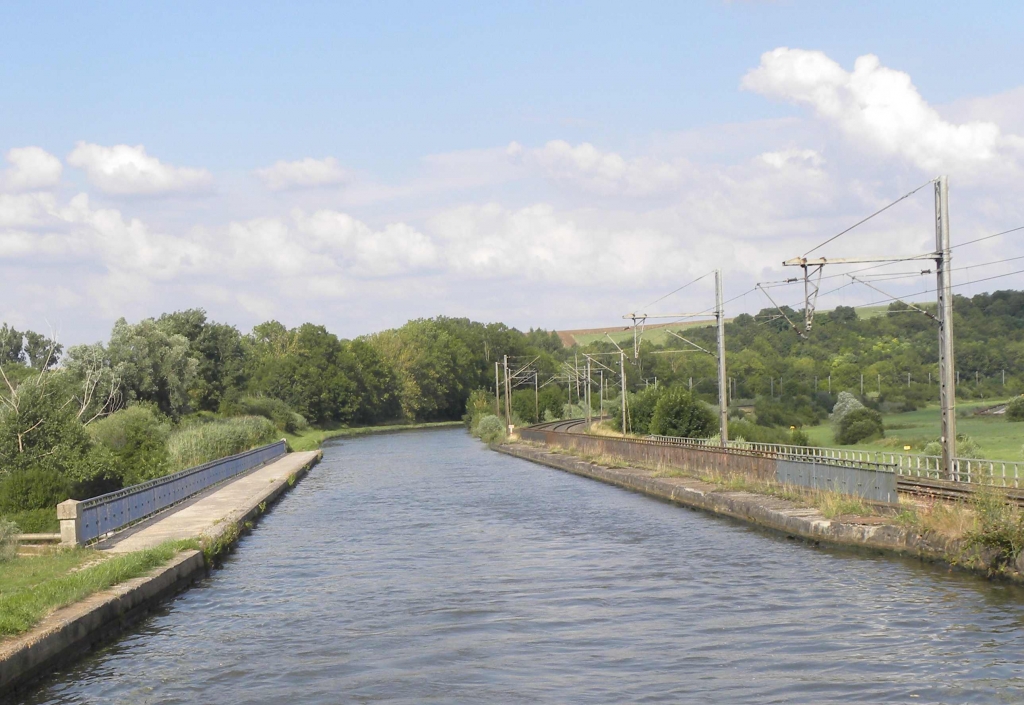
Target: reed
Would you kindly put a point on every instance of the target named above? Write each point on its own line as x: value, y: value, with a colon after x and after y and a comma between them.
x: 202, y: 442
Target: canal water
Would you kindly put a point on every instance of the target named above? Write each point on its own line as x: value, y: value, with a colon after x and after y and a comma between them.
x: 422, y: 568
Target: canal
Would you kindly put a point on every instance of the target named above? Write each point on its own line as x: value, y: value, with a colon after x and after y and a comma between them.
x: 421, y: 567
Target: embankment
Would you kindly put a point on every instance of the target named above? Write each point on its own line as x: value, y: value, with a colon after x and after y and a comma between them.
x: 780, y: 515
x: 68, y: 633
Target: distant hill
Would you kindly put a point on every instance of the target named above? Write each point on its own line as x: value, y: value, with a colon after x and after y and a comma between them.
x: 656, y: 333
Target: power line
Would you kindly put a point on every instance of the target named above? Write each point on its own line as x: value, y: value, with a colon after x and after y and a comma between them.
x: 676, y: 291
x: 861, y: 222
x: 932, y: 291
x: 987, y: 237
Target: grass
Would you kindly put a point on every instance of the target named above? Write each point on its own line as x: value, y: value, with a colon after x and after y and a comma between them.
x: 311, y: 438
x: 33, y: 586
x: 997, y: 438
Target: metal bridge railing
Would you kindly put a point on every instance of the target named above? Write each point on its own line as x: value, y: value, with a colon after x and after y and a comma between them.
x: 86, y: 520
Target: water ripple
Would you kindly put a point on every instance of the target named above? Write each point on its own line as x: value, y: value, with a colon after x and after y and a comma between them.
x: 421, y: 567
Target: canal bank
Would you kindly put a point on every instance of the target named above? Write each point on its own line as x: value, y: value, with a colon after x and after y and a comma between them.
x: 796, y: 520
x: 213, y: 519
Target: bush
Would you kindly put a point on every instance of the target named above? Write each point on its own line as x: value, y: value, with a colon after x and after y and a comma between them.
x: 269, y: 408
x: 33, y: 488
x: 966, y: 447
x: 490, y: 429
x: 677, y: 413
x: 8, y: 540
x: 479, y: 404
x: 640, y: 409
x: 200, y: 443
x: 524, y: 405
x: 1015, y: 409
x: 859, y: 424
x: 133, y: 446
x: 35, y: 521
x: 845, y: 403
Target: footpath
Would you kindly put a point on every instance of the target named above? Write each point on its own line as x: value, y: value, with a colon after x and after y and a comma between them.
x: 215, y: 518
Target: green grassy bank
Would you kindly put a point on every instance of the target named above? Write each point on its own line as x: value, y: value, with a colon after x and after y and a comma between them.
x: 997, y: 438
x: 33, y: 586
x: 310, y: 439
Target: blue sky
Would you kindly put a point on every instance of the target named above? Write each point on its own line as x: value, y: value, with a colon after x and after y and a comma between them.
x: 463, y: 135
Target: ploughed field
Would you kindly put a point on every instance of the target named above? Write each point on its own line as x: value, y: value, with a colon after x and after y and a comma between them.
x: 422, y: 567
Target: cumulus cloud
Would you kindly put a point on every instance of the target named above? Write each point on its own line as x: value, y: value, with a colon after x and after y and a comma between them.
x: 304, y: 173
x: 127, y: 170
x: 32, y: 169
x: 600, y: 171
x: 880, y: 107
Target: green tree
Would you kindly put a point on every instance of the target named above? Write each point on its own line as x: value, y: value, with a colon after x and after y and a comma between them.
x: 155, y: 366
x: 678, y: 413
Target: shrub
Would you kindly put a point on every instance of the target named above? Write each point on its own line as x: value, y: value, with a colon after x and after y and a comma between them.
x: 845, y: 403
x: 490, y: 429
x: 966, y: 447
x: 33, y: 488
x: 859, y: 424
x: 133, y: 445
x: 200, y: 443
x: 479, y: 404
x: 524, y: 405
x: 36, y: 521
x: 1015, y: 409
x: 677, y: 413
x: 640, y: 409
x: 1000, y: 524
x: 8, y: 540
x: 269, y: 408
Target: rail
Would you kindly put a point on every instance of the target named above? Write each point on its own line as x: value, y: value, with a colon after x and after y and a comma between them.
x: 86, y: 520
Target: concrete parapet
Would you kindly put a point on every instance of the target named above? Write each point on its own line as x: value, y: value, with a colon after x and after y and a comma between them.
x: 70, y: 516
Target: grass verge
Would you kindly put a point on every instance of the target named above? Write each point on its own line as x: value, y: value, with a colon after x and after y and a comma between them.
x: 33, y: 586
x: 310, y: 439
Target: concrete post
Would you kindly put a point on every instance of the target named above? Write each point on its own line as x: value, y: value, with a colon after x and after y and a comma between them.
x: 70, y: 518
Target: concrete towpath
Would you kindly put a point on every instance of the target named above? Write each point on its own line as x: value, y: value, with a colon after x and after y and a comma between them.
x: 211, y: 513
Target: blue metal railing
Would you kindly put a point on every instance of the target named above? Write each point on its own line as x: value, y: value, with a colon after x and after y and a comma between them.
x: 111, y: 511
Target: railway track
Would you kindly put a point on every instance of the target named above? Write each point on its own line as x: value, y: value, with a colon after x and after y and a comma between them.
x: 566, y: 426
x: 950, y: 491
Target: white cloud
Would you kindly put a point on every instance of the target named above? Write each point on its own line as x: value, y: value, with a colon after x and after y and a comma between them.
x: 304, y: 173
x: 601, y: 172
x: 32, y: 169
x: 25, y: 209
x: 882, y: 108
x: 802, y: 157
x: 127, y: 170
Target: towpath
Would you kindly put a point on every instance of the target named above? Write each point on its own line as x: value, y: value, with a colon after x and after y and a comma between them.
x: 209, y: 514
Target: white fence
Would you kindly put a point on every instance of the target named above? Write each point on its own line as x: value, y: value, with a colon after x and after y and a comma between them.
x: 1001, y: 473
